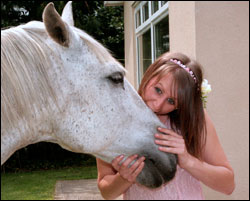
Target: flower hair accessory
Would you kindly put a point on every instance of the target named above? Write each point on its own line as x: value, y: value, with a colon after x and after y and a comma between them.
x: 205, y: 89
x: 185, y: 68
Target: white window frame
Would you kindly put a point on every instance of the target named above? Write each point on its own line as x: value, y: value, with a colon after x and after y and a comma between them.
x: 153, y: 19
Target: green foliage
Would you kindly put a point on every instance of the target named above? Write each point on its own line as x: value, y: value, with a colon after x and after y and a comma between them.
x: 103, y: 23
x: 44, y: 156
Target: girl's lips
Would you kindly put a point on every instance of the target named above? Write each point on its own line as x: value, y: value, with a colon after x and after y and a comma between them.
x: 155, y: 111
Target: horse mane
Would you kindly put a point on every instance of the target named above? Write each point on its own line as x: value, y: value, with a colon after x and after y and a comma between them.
x: 25, y: 86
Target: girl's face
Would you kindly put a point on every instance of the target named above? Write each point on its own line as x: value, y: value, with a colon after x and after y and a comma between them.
x: 159, y: 95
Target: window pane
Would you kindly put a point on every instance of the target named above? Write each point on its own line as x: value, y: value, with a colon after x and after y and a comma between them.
x: 144, y: 52
x: 163, y: 2
x: 161, y: 37
x: 154, y: 6
x: 138, y: 19
x: 145, y: 12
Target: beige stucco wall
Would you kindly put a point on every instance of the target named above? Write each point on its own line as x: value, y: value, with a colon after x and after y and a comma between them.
x: 217, y: 35
x: 130, y: 49
x: 182, y: 27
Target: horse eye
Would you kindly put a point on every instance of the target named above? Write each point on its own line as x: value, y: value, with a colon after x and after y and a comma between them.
x: 116, y: 78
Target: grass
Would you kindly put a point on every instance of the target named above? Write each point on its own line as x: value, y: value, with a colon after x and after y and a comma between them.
x: 40, y: 185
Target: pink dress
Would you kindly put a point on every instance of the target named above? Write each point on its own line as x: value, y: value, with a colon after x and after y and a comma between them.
x: 182, y: 187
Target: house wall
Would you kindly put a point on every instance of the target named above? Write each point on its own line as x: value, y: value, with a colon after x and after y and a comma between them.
x: 217, y: 35
x: 130, y: 48
x: 222, y: 44
x: 182, y: 33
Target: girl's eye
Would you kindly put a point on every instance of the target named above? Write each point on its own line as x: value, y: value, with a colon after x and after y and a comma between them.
x: 158, y: 90
x: 171, y: 101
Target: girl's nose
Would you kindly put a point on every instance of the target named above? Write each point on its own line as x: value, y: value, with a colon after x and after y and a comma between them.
x: 158, y: 104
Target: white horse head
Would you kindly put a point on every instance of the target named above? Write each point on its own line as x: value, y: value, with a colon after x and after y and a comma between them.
x: 60, y: 85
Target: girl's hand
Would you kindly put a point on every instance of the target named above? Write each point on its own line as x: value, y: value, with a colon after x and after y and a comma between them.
x: 126, y: 171
x: 171, y: 142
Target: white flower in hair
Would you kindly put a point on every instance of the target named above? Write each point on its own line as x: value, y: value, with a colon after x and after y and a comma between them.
x: 205, y: 89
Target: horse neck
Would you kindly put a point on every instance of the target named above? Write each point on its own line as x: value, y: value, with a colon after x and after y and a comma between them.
x: 19, y: 137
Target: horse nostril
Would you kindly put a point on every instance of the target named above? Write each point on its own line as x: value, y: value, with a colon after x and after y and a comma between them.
x: 149, y: 158
x: 152, y: 160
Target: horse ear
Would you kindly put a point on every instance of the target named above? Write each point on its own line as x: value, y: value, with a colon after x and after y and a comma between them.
x: 67, y: 14
x: 55, y: 26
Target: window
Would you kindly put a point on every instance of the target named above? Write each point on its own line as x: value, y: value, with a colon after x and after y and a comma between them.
x: 144, y: 51
x: 138, y: 18
x: 154, y: 6
x: 145, y: 12
x: 152, y: 33
x: 161, y: 37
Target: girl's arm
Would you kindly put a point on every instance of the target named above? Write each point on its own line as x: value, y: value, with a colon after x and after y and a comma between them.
x: 110, y: 183
x: 114, y: 179
x: 214, y: 171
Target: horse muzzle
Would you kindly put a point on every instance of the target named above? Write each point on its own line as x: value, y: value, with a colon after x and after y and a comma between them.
x: 159, y: 169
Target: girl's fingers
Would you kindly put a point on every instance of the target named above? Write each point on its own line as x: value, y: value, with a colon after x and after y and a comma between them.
x: 136, y: 164
x: 169, y: 138
x: 170, y: 150
x: 170, y: 132
x: 128, y: 161
x: 168, y: 143
x: 138, y: 170
x: 126, y: 171
x: 116, y: 161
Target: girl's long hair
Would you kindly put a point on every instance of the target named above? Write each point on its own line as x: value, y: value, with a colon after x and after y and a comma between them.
x: 188, y: 119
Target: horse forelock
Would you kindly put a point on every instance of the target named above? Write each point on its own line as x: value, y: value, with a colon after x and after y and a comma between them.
x: 25, y: 85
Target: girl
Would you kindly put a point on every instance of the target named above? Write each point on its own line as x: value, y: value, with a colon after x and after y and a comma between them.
x: 171, y: 87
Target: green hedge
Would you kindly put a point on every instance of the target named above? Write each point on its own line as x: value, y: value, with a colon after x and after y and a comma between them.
x: 43, y: 156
